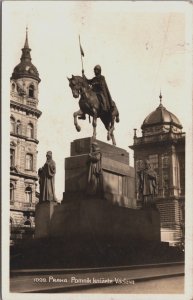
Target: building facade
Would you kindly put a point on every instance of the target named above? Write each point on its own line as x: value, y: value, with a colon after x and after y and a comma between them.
x: 24, y: 116
x: 163, y: 144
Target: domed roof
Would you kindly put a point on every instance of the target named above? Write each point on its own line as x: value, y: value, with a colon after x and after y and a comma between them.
x: 25, y: 68
x: 161, y: 116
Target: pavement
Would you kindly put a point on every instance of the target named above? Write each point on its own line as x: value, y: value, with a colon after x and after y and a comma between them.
x: 70, y: 280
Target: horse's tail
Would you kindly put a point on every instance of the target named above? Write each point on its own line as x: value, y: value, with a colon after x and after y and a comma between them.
x: 106, y: 120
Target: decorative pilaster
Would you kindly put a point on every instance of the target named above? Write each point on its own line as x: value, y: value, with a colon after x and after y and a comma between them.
x: 172, y: 170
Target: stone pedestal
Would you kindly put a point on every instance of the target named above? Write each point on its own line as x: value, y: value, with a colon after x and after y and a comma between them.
x: 118, y: 178
x: 44, y: 213
x: 96, y: 221
x: 108, y: 220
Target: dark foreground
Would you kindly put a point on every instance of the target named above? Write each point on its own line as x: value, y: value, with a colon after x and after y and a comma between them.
x: 82, y: 253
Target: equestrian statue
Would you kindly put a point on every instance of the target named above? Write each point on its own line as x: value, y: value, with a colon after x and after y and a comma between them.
x: 95, y: 101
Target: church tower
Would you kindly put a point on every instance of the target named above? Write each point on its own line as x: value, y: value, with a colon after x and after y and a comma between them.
x: 163, y: 144
x: 24, y: 116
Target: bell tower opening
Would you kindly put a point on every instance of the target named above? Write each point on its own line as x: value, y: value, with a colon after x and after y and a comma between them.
x: 31, y: 91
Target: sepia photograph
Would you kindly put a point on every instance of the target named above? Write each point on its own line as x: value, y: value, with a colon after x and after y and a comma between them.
x: 97, y: 150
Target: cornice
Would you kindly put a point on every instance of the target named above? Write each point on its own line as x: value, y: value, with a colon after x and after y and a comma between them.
x: 22, y: 209
x: 25, y: 108
x: 164, y: 139
x: 15, y: 172
x: 24, y: 138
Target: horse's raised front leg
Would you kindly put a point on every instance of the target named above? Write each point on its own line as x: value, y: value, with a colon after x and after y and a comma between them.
x: 75, y: 115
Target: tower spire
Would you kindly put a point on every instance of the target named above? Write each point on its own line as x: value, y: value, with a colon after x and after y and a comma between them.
x: 26, y: 57
x: 26, y: 45
x: 160, y: 97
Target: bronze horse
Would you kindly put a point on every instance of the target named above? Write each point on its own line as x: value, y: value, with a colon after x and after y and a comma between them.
x: 89, y: 104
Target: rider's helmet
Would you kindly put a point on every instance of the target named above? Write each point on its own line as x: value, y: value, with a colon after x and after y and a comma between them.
x: 49, y: 153
x: 97, y: 67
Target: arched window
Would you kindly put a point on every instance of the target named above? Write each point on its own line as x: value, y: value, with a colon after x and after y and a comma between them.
x: 27, y: 223
x: 18, y: 127
x: 31, y: 91
x: 29, y: 161
x: 28, y: 195
x: 12, y: 157
x: 30, y: 130
x: 12, y: 123
x: 11, y: 193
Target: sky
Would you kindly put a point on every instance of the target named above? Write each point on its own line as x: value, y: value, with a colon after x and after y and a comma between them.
x: 142, y: 47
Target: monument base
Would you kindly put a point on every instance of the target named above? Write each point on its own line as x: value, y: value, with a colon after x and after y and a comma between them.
x: 96, y: 219
x: 91, y: 231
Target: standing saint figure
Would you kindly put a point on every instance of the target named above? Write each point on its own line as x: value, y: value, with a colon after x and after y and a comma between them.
x: 95, y: 171
x: 46, y: 179
x: 147, y: 185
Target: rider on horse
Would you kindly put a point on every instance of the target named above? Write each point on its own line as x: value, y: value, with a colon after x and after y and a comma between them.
x: 99, y: 86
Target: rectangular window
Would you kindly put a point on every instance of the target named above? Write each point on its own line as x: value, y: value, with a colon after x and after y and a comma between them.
x: 12, y: 157
x: 165, y: 173
x: 153, y: 159
x: 29, y: 162
x: 11, y: 193
x: 165, y: 160
x: 182, y: 173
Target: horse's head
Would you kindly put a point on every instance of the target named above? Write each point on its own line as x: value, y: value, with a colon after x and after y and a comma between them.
x: 75, y: 85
